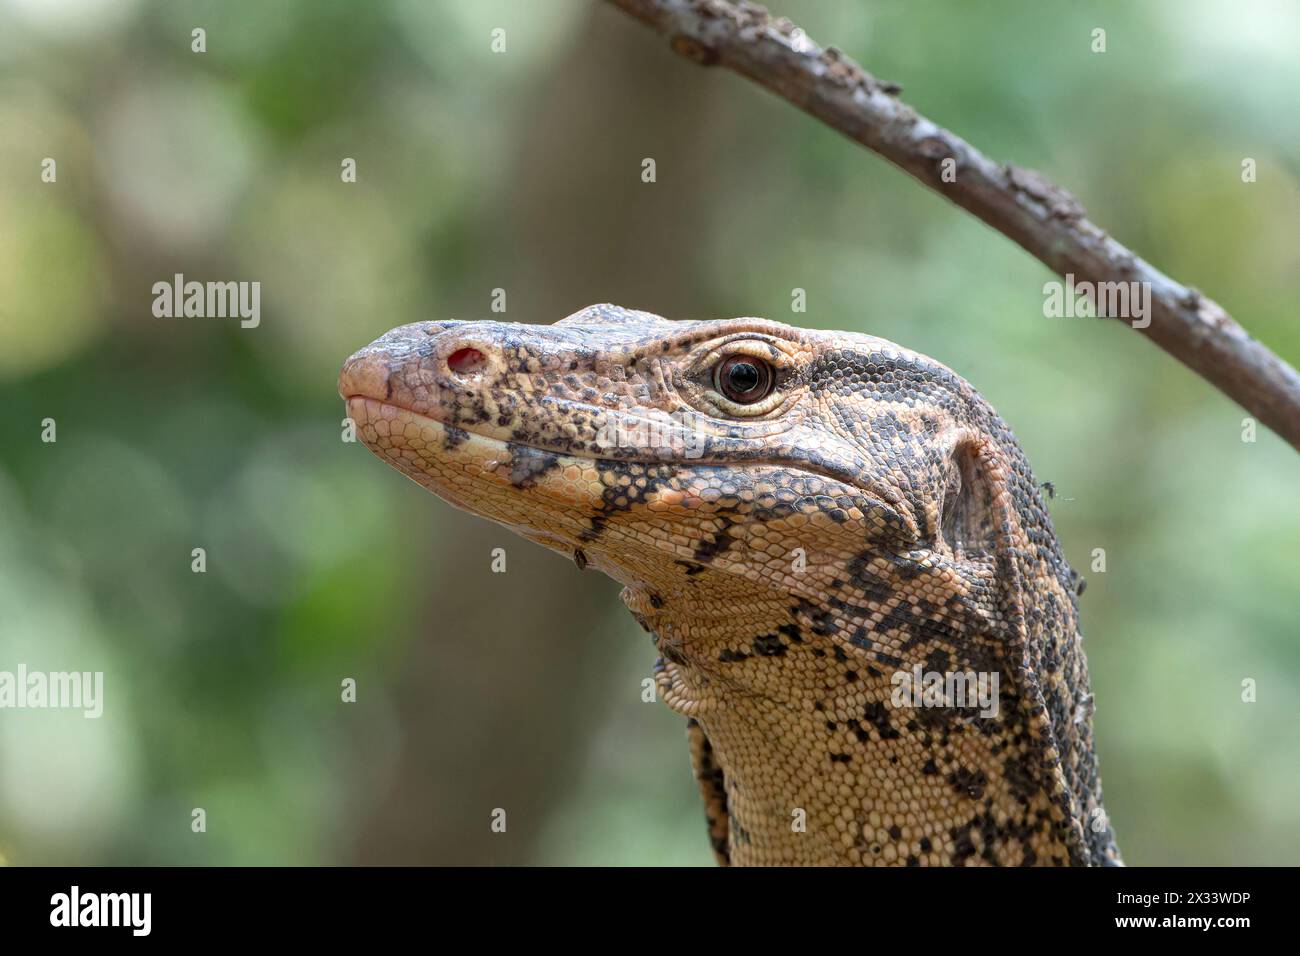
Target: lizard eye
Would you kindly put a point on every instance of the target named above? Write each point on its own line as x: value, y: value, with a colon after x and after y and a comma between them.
x: 743, y: 378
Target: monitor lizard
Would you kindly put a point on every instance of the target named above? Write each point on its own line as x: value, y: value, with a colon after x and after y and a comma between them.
x: 811, y: 524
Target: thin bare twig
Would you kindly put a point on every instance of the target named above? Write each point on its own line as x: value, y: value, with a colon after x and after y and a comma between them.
x: 1021, y: 204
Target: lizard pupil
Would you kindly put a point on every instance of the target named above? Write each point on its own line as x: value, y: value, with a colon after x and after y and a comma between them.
x: 743, y: 379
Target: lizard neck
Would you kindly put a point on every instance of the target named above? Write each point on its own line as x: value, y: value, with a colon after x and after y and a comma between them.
x: 838, y: 758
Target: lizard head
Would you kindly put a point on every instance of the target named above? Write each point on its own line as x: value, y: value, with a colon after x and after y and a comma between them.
x: 696, y: 462
x: 796, y: 516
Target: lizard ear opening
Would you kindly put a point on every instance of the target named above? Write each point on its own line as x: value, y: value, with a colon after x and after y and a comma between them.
x: 971, y: 517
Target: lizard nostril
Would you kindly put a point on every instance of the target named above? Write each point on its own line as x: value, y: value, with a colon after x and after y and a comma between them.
x: 465, y: 361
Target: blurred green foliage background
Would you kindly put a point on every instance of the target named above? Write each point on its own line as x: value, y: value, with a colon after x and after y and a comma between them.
x: 521, y: 171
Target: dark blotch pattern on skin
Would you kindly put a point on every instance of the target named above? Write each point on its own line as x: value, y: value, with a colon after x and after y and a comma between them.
x: 527, y: 464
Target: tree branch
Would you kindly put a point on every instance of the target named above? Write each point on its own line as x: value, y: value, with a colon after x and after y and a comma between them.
x: 1021, y: 204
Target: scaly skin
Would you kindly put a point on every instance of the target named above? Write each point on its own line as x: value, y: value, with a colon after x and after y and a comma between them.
x: 792, y: 557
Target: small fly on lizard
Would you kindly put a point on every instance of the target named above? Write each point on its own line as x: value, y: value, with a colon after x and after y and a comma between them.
x: 808, y: 522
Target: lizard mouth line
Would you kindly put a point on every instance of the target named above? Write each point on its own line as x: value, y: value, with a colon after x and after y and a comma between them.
x: 444, y: 427
x: 584, y: 454
x: 904, y: 520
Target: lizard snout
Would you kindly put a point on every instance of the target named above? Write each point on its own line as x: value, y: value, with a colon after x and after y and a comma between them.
x: 409, y: 357
x: 366, y: 374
